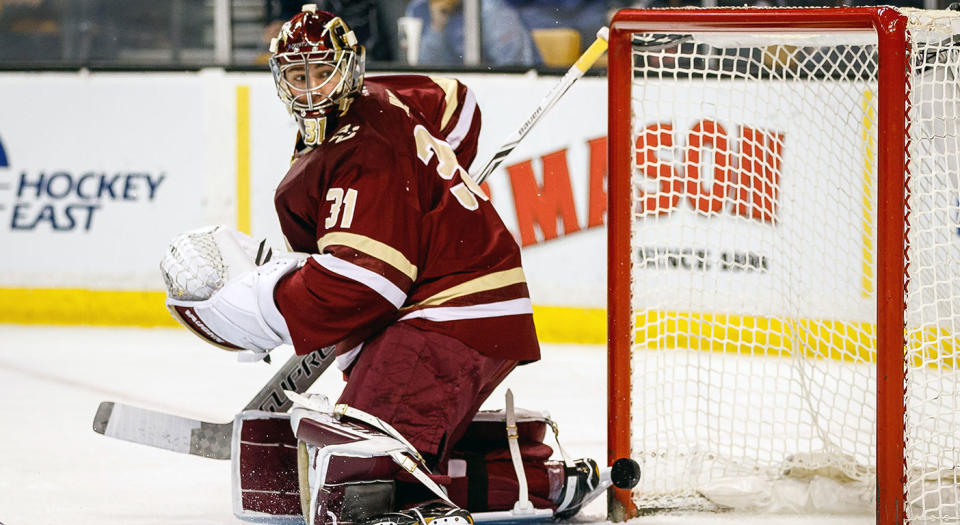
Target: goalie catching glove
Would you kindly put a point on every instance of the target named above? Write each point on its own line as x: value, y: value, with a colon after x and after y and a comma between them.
x: 217, y: 290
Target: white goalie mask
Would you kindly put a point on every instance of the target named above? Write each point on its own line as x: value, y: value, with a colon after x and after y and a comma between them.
x: 317, y: 65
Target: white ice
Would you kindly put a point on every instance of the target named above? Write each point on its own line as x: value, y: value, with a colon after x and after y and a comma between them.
x: 54, y: 469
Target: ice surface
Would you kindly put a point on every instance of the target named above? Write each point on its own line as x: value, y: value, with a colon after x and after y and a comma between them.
x: 55, y: 469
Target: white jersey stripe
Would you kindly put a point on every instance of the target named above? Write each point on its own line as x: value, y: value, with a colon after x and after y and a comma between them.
x: 346, y: 359
x: 459, y: 132
x: 372, y: 280
x: 477, y: 311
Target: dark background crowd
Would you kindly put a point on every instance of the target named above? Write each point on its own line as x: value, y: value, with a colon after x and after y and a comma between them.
x: 182, y: 33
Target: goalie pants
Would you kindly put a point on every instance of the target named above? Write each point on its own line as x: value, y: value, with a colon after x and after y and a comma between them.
x: 427, y: 385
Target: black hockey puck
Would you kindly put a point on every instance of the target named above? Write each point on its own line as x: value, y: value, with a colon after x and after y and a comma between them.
x: 625, y: 473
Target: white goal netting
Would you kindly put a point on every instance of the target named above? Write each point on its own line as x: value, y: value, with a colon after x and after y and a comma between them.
x: 755, y: 269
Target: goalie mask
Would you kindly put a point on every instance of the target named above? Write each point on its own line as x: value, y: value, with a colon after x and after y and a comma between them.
x: 317, y: 66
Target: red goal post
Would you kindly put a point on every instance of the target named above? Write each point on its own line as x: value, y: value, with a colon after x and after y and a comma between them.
x: 892, y: 167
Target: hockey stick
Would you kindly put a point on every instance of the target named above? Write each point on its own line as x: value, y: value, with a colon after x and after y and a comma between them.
x: 201, y: 438
x: 586, y: 60
x: 647, y: 42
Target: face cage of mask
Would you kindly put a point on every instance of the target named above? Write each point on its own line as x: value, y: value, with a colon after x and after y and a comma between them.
x: 311, y: 100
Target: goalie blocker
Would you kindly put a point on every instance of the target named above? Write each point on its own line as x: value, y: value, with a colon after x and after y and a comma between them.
x: 334, y: 465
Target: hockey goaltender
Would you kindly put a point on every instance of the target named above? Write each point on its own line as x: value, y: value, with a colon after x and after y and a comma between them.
x: 398, y: 258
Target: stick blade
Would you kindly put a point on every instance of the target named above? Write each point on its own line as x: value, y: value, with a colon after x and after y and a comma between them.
x: 166, y: 431
x: 102, y: 417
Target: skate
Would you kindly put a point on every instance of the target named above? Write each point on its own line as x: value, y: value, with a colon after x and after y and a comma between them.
x: 432, y: 513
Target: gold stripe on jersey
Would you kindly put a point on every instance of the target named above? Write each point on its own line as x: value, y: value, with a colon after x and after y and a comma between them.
x: 371, y: 247
x: 397, y: 102
x: 449, y: 87
x: 484, y: 283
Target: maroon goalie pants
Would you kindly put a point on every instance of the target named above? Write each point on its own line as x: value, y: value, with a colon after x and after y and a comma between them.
x: 426, y: 385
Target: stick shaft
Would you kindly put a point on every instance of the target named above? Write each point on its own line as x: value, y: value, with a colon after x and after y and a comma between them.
x: 297, y: 374
x: 584, y: 63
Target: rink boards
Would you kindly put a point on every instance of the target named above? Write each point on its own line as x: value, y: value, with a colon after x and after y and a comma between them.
x: 92, y: 190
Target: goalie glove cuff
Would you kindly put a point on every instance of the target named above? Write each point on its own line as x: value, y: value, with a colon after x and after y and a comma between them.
x: 242, y: 315
x: 270, y: 275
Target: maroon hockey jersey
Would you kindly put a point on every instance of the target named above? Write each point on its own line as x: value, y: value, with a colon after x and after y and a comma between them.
x: 398, y: 230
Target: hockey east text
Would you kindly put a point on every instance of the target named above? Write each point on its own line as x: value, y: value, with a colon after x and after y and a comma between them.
x: 67, y: 201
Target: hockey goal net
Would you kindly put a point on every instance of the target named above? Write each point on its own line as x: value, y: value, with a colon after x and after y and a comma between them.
x: 784, y: 260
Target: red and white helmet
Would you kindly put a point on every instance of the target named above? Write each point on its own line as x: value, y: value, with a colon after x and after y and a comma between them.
x: 315, y: 38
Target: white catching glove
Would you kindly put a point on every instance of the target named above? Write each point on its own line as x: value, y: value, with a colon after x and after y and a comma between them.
x: 216, y: 289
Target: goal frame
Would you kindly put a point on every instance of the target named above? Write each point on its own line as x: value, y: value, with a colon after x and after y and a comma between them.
x: 892, y: 107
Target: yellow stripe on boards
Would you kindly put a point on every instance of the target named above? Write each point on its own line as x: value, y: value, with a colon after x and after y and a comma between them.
x: 76, y: 306
x: 753, y: 335
x: 565, y: 324
x: 243, y: 158
x: 746, y: 335
x: 933, y: 348
x: 868, y: 227
x: 930, y: 347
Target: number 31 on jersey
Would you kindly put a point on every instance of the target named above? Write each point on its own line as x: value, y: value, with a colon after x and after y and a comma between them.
x: 467, y: 190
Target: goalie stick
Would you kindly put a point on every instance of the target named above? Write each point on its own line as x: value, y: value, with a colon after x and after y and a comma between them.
x: 586, y: 60
x: 202, y: 438
x: 650, y: 42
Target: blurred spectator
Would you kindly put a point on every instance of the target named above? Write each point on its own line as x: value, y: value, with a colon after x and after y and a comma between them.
x: 369, y: 20
x: 29, y: 31
x: 504, y: 39
x: 584, y: 16
x: 90, y: 31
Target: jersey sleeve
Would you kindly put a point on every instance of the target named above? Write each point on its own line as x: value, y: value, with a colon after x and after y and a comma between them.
x: 448, y: 105
x: 367, y: 250
x: 459, y: 121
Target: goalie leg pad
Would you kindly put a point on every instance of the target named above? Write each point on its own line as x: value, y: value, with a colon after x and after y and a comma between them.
x: 349, y: 469
x: 271, y: 478
x: 264, y: 467
x: 490, y: 472
x: 277, y: 477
